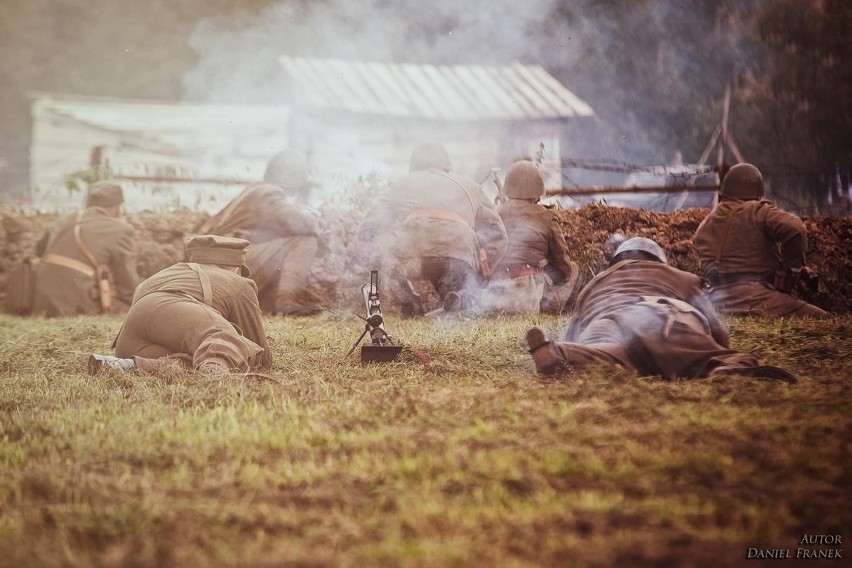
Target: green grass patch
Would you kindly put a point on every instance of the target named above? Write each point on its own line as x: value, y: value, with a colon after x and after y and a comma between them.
x: 465, y: 459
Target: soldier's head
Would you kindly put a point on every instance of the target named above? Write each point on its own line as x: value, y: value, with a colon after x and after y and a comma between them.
x: 639, y: 248
x: 107, y: 195
x: 226, y: 252
x: 743, y: 181
x: 288, y: 170
x: 524, y: 181
x: 429, y: 156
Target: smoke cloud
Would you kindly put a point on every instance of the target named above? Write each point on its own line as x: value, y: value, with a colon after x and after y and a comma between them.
x: 238, y: 59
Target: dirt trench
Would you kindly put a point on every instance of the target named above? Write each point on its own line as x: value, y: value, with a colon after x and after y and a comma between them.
x: 337, y: 277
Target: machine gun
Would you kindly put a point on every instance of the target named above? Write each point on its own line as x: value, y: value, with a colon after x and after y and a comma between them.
x: 381, y: 348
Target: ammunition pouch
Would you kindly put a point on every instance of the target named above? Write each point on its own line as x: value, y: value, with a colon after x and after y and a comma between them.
x: 516, y: 271
x: 716, y: 280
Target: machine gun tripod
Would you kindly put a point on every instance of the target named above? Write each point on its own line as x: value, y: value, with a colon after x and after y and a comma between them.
x: 381, y: 348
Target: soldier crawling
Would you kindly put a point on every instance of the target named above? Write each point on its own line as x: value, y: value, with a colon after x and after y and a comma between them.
x: 202, y: 314
x: 643, y: 314
x: 751, y: 252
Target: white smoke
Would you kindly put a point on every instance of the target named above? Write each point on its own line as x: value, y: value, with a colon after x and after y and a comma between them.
x: 238, y: 60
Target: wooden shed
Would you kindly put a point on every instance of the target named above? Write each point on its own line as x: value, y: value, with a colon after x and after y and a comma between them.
x: 353, y: 117
x: 144, y: 143
x: 348, y: 118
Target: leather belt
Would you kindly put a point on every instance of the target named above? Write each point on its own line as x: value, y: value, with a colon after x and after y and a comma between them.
x: 728, y: 279
x: 71, y: 263
x: 516, y: 271
x: 437, y: 214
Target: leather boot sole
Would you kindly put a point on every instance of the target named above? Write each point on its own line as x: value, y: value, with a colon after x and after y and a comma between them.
x: 547, y: 360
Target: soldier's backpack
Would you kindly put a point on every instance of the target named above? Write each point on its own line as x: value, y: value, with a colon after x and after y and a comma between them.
x: 20, y: 287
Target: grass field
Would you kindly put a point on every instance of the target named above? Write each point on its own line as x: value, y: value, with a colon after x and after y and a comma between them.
x: 467, y: 460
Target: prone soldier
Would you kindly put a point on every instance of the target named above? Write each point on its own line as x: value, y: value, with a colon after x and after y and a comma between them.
x: 645, y: 315
x: 202, y: 313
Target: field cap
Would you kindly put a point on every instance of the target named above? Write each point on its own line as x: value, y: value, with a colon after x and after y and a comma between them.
x: 213, y: 249
x: 104, y: 194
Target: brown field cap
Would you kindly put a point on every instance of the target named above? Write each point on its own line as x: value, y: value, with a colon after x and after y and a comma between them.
x: 213, y: 249
x: 104, y: 194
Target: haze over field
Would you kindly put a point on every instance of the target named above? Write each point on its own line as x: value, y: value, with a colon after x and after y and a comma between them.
x: 654, y: 71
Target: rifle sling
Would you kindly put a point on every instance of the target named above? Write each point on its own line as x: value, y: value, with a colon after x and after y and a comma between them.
x: 206, y: 289
x: 82, y: 246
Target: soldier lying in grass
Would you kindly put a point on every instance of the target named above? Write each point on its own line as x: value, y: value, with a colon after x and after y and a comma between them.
x: 203, y: 313
x: 643, y: 314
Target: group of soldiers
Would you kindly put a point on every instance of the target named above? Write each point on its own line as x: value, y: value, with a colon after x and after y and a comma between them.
x: 434, y: 225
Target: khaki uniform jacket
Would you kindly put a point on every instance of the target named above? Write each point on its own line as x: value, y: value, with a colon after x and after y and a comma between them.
x: 650, y: 317
x: 407, y: 223
x: 535, y: 237
x: 284, y: 243
x: 62, y: 291
x: 168, y: 316
x: 626, y: 283
x: 754, y: 238
x: 262, y: 213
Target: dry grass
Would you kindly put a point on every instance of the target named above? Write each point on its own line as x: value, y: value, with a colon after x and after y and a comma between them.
x: 469, y: 460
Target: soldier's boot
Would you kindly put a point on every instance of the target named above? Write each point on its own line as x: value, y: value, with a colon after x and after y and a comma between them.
x: 545, y: 356
x: 214, y: 367
x: 452, y: 302
x: 410, y: 302
x: 457, y: 301
x: 102, y: 363
x: 769, y: 372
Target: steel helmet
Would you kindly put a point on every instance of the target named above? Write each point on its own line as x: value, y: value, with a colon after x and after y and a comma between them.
x: 743, y: 181
x: 524, y: 181
x: 287, y: 170
x: 644, y: 245
x: 429, y: 156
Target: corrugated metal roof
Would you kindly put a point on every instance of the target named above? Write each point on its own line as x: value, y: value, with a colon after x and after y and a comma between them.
x: 439, y: 92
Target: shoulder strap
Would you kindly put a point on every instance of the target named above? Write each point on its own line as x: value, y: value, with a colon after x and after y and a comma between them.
x: 463, y: 188
x: 724, y: 240
x: 79, y: 240
x: 206, y: 289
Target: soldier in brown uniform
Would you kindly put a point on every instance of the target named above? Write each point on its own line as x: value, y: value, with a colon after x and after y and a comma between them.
x: 82, y: 249
x: 202, y: 313
x: 435, y: 225
x: 536, y: 273
x: 751, y: 252
x: 284, y: 236
x: 645, y: 315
